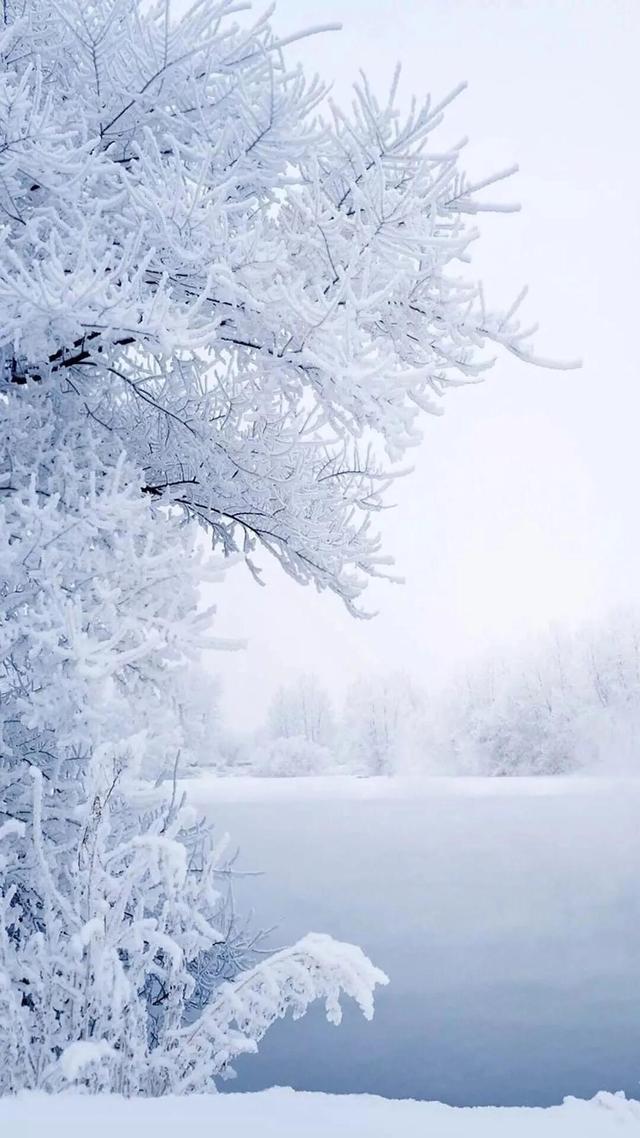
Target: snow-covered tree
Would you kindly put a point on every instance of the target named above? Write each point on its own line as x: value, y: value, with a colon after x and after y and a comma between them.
x: 562, y: 704
x: 253, y: 302
x: 302, y: 710
x: 215, y: 307
x: 384, y: 727
x: 515, y: 714
x: 608, y: 718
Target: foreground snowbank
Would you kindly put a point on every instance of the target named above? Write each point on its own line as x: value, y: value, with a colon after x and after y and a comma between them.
x: 282, y: 1113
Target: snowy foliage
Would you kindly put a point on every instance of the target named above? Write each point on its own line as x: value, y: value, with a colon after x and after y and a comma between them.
x: 215, y: 307
x: 100, y: 939
x: 255, y: 304
x: 111, y: 908
x: 100, y: 607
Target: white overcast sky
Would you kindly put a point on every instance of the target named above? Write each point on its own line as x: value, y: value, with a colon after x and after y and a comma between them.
x: 523, y: 508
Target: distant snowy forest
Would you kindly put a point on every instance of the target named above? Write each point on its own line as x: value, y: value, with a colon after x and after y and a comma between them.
x: 567, y: 703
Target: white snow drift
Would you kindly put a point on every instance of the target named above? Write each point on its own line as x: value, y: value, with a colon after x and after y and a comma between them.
x: 282, y: 1113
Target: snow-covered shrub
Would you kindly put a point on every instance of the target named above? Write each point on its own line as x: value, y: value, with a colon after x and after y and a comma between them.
x: 292, y: 755
x: 112, y: 911
x: 101, y: 940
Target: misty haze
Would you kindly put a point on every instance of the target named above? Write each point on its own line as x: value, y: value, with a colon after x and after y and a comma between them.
x: 319, y: 562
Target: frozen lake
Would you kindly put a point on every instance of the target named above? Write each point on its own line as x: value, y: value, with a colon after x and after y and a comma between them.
x: 506, y: 913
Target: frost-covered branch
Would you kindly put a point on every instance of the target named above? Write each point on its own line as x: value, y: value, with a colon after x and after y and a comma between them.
x: 204, y: 263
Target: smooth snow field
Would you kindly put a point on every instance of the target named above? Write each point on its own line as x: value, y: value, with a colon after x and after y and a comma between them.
x: 285, y: 1114
x: 505, y: 911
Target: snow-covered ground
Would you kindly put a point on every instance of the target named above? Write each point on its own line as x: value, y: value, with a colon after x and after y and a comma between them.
x: 285, y: 1114
x: 506, y: 913
x: 339, y: 788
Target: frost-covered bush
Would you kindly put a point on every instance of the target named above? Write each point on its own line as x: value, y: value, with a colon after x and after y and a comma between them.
x: 292, y: 755
x: 100, y: 942
x: 215, y: 308
x: 113, y: 916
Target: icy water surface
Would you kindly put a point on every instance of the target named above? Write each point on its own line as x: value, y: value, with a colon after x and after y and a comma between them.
x: 507, y: 915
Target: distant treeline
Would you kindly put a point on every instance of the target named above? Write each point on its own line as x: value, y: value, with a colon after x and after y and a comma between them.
x: 568, y: 703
